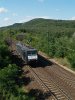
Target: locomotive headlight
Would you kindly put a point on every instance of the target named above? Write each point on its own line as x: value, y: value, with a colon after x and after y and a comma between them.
x: 33, y: 57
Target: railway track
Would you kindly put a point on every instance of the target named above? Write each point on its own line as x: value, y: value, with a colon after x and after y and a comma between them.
x: 67, y: 77
x: 49, y: 85
x: 64, y: 82
x: 42, y: 84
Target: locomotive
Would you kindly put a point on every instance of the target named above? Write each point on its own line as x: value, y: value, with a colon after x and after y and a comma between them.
x: 27, y: 53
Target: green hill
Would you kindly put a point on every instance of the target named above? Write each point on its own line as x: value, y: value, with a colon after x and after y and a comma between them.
x: 45, y: 25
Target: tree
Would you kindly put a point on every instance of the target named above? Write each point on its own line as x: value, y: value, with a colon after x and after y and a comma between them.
x: 4, y: 55
x: 7, y: 78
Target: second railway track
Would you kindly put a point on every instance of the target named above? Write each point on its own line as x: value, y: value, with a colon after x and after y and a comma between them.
x: 64, y: 76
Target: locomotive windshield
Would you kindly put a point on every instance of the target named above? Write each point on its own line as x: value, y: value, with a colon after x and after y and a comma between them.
x: 31, y: 53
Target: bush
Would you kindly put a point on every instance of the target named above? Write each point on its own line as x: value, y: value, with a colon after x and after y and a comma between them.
x: 7, y: 77
x: 4, y: 55
x: 71, y: 58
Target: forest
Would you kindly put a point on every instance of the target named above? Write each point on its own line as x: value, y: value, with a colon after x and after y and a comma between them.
x: 56, y: 38
x: 53, y: 37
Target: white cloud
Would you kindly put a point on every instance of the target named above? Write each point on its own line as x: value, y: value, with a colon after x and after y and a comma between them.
x: 45, y: 17
x: 27, y: 18
x: 3, y: 10
x: 73, y: 18
x: 14, y: 14
x: 6, y: 19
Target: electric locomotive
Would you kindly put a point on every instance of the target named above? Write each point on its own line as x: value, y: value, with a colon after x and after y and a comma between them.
x: 27, y: 53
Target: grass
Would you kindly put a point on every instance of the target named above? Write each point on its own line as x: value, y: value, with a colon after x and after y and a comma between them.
x: 64, y: 62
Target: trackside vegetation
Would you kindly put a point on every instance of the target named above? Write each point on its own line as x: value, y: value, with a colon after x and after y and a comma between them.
x: 9, y: 76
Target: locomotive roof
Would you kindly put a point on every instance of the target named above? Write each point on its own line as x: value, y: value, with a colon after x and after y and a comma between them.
x: 23, y: 47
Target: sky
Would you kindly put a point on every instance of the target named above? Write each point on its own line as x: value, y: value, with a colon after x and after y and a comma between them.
x: 18, y: 11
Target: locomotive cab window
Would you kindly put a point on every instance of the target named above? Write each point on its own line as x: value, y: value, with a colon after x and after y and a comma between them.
x: 32, y: 53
